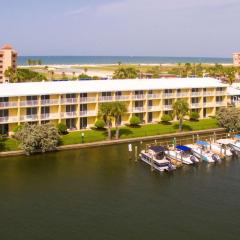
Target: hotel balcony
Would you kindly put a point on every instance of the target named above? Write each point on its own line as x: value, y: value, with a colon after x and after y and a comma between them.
x: 195, y: 105
x: 182, y: 95
x: 167, y: 107
x: 69, y: 100
x: 47, y: 102
x: 8, y: 104
x: 29, y: 103
x: 8, y: 119
x: 138, y: 109
x: 220, y: 93
x: 168, y: 95
x: 88, y: 99
x: 88, y: 113
x: 196, y: 94
x: 138, y: 97
x: 68, y: 114
x: 122, y: 98
x: 49, y: 116
x: 206, y: 105
x: 29, y: 118
x: 209, y: 93
x: 105, y: 99
x: 153, y: 108
x: 221, y: 104
x: 154, y: 96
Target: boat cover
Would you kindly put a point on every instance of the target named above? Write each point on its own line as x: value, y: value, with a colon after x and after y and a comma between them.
x: 183, y: 148
x: 157, y: 149
x: 237, y: 136
x: 203, y: 143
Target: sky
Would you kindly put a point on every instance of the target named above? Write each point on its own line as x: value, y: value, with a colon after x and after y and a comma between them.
x: 194, y: 28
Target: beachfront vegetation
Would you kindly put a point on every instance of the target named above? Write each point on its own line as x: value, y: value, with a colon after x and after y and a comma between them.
x: 62, y: 128
x: 100, y: 124
x: 229, y: 118
x: 135, y: 121
x: 180, y: 110
x: 166, y: 118
x: 34, y: 62
x: 126, y: 73
x: 194, y: 116
x: 37, y: 138
x: 11, y: 144
x: 23, y: 75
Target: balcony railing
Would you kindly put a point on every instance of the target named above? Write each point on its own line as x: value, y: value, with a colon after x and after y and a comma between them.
x: 196, y: 94
x: 49, y: 116
x: 122, y: 98
x: 105, y: 98
x: 49, y: 102
x: 220, y: 104
x: 153, y: 108
x: 195, y: 105
x: 220, y: 93
x: 8, y: 104
x: 8, y: 119
x: 88, y: 113
x: 87, y: 99
x: 29, y: 103
x: 208, y: 93
x: 167, y: 107
x: 138, y: 97
x: 208, y: 105
x: 154, y: 96
x: 168, y: 95
x: 69, y: 100
x: 33, y: 117
x: 138, y: 109
x: 181, y: 95
x: 69, y: 114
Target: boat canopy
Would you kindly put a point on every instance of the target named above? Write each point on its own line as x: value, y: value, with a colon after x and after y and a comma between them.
x: 157, y: 149
x: 225, y: 141
x: 237, y: 136
x: 183, y: 148
x: 202, y: 143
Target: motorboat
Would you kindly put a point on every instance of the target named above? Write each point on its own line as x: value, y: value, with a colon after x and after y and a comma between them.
x: 155, y: 156
x: 202, y: 151
x: 234, y: 144
x: 183, y: 154
x: 222, y: 147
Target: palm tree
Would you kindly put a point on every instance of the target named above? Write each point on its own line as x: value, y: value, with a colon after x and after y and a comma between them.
x: 73, y: 75
x: 118, y: 109
x: 180, y: 70
x: 180, y: 110
x: 106, y: 112
x: 11, y: 74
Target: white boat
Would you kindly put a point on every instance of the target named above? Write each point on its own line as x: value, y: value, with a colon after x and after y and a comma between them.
x: 155, y: 157
x: 183, y: 154
x: 222, y: 148
x: 202, y: 151
x: 234, y: 144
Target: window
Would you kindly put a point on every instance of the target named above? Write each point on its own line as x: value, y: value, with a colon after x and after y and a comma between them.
x: 83, y: 95
x: 70, y: 108
x: 168, y: 102
x: 138, y: 103
x: 45, y: 97
x: 83, y: 123
x: 219, y: 98
x: 168, y: 91
x: 150, y: 103
x: 150, y: 92
x: 71, y: 123
x: 3, y: 129
x: 3, y: 99
x: 138, y: 92
x: 32, y: 98
x: 32, y: 111
x: 45, y: 110
x: 150, y: 117
x: 195, y: 100
x: 118, y: 93
x: 83, y: 107
x: 106, y: 94
x: 195, y: 90
x: 3, y: 112
x: 71, y: 95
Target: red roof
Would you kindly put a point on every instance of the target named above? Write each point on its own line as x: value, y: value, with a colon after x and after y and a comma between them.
x: 7, y: 47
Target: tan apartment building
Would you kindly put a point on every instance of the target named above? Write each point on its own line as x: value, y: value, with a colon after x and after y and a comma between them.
x: 236, y: 59
x: 8, y: 58
x: 76, y: 103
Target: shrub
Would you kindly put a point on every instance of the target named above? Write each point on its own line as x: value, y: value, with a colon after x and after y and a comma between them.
x: 17, y: 128
x: 38, y: 138
x: 194, y: 116
x: 166, y: 118
x: 100, y: 124
x: 135, y: 121
x: 62, y: 128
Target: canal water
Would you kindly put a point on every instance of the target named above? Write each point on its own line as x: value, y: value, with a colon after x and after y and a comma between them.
x: 100, y: 194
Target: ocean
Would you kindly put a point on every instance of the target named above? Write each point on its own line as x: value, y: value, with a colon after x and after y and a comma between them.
x: 123, y: 59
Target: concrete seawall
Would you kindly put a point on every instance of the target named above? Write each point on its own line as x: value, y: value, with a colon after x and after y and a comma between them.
x: 130, y: 140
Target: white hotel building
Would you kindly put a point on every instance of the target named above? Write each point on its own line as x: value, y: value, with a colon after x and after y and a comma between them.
x: 76, y: 103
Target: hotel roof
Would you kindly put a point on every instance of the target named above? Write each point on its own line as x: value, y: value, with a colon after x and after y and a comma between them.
x: 86, y: 86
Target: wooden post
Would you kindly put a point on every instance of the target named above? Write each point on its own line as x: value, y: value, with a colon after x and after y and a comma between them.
x: 130, y: 150
x: 136, y: 153
x: 193, y: 138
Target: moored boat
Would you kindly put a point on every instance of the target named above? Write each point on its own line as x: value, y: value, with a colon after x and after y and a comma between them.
x: 156, y: 158
x: 183, y: 154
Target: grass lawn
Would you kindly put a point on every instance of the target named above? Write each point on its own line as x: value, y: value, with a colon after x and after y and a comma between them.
x: 145, y: 130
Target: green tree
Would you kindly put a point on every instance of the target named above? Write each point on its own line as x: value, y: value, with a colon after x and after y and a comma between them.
x: 100, y: 124
x: 229, y: 118
x: 126, y: 73
x: 118, y: 110
x: 135, y: 121
x: 38, y: 138
x: 180, y: 110
x: 166, y: 118
x: 106, y: 113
